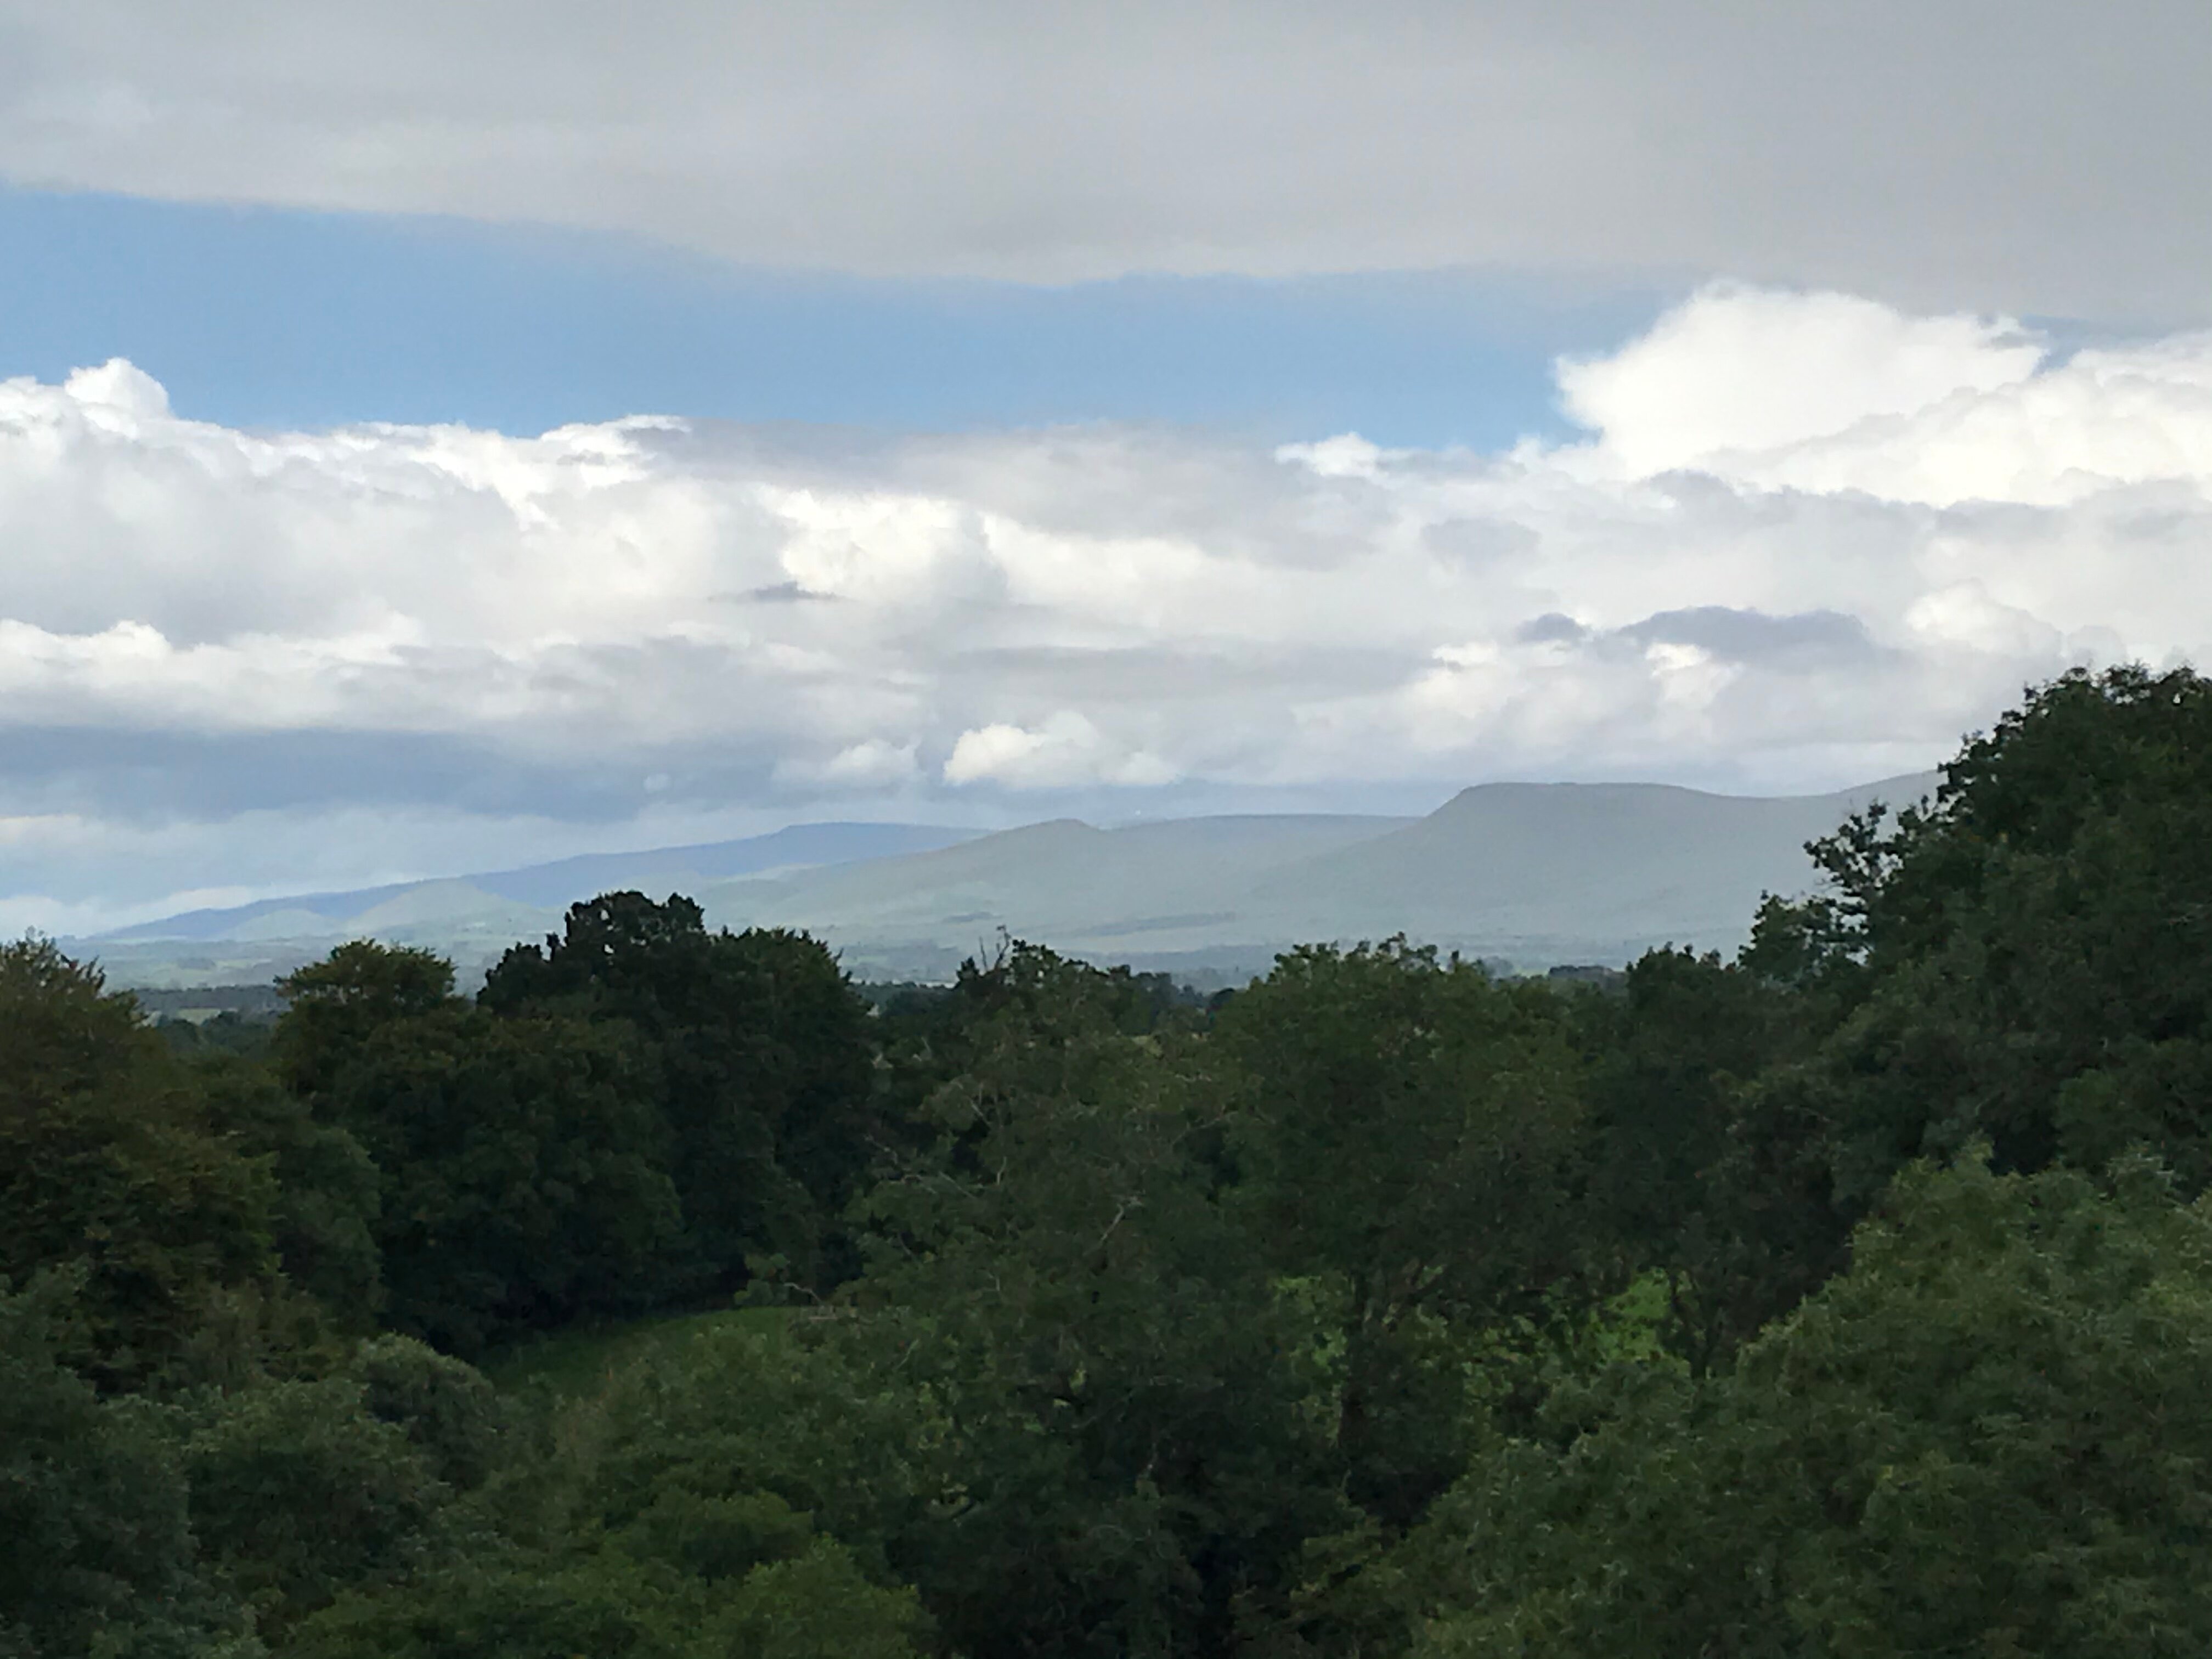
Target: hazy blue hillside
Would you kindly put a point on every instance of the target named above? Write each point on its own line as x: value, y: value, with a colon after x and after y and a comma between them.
x: 660, y: 870
x: 1535, y: 874
x: 1564, y: 870
x: 682, y: 869
x: 471, y: 918
x: 1051, y: 879
x: 1532, y: 874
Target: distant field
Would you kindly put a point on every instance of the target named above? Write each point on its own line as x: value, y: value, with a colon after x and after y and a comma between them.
x: 256, y: 1001
x: 578, y: 1362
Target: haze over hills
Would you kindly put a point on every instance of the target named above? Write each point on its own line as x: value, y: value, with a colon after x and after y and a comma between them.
x: 1151, y: 889
x: 1533, y: 875
x: 471, y: 918
x: 559, y: 885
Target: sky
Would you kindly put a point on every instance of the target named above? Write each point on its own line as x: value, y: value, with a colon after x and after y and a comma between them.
x: 435, y: 438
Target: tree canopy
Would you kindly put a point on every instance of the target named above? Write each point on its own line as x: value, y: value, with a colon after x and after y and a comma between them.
x: 671, y: 1296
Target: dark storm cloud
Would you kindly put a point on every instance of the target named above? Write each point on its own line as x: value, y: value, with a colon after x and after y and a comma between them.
x: 1552, y: 627
x: 1753, y: 637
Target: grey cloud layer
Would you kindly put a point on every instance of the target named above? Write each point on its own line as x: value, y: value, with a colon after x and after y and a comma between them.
x: 2042, y: 155
x: 1875, y: 529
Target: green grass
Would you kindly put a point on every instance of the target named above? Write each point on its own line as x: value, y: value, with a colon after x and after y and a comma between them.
x: 575, y: 1363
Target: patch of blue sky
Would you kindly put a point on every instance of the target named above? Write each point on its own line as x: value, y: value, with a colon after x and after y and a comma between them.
x: 270, y: 318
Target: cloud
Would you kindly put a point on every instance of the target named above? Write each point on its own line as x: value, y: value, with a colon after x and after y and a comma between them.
x: 1066, y: 750
x: 1738, y: 370
x: 1878, y: 528
x: 2050, y: 158
x: 870, y: 765
x: 1754, y: 637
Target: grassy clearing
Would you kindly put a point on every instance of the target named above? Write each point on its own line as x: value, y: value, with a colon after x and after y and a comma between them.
x: 576, y: 1362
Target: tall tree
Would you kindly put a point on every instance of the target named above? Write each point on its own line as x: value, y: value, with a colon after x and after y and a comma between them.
x: 521, y: 1162
x: 1410, y: 1136
x: 762, y: 1060
x: 323, y: 1215
x: 1704, y: 1169
x: 108, y: 1159
x: 2030, y: 960
x: 1129, y: 1396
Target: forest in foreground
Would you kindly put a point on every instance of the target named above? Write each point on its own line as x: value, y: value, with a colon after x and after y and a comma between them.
x: 670, y: 1298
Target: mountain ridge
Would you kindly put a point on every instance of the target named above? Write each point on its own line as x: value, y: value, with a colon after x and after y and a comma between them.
x: 561, y: 881
x: 1533, y: 874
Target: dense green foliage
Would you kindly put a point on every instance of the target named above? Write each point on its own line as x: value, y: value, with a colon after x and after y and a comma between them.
x: 1848, y: 1300
x: 111, y: 1159
x: 1990, y: 1434
x: 760, y: 1070
x: 100, y: 1555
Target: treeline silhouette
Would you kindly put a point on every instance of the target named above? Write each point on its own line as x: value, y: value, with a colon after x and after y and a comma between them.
x: 1852, y: 1298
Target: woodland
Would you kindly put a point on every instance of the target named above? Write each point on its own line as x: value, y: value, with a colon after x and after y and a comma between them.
x: 673, y: 1296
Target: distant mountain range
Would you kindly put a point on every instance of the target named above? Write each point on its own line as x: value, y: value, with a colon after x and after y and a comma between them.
x: 1533, y: 875
x: 556, y: 886
x: 470, y: 918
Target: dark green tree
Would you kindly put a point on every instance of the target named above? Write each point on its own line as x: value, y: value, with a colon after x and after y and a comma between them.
x: 323, y: 1214
x: 1984, y: 1437
x: 686, y: 1507
x: 2030, y: 960
x: 521, y: 1162
x: 298, y: 1493
x: 762, y: 1057
x: 1410, y: 1140
x: 337, y: 1009
x: 108, y: 1157
x: 811, y: 1605
x: 1135, y: 1412
x: 521, y: 1606
x: 448, y: 1410
x: 1720, y: 1188
x: 97, y: 1555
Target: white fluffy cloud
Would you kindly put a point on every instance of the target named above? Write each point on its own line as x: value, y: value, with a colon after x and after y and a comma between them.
x: 1066, y: 751
x: 1744, y: 370
x: 2045, y: 155
x: 1808, y: 541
